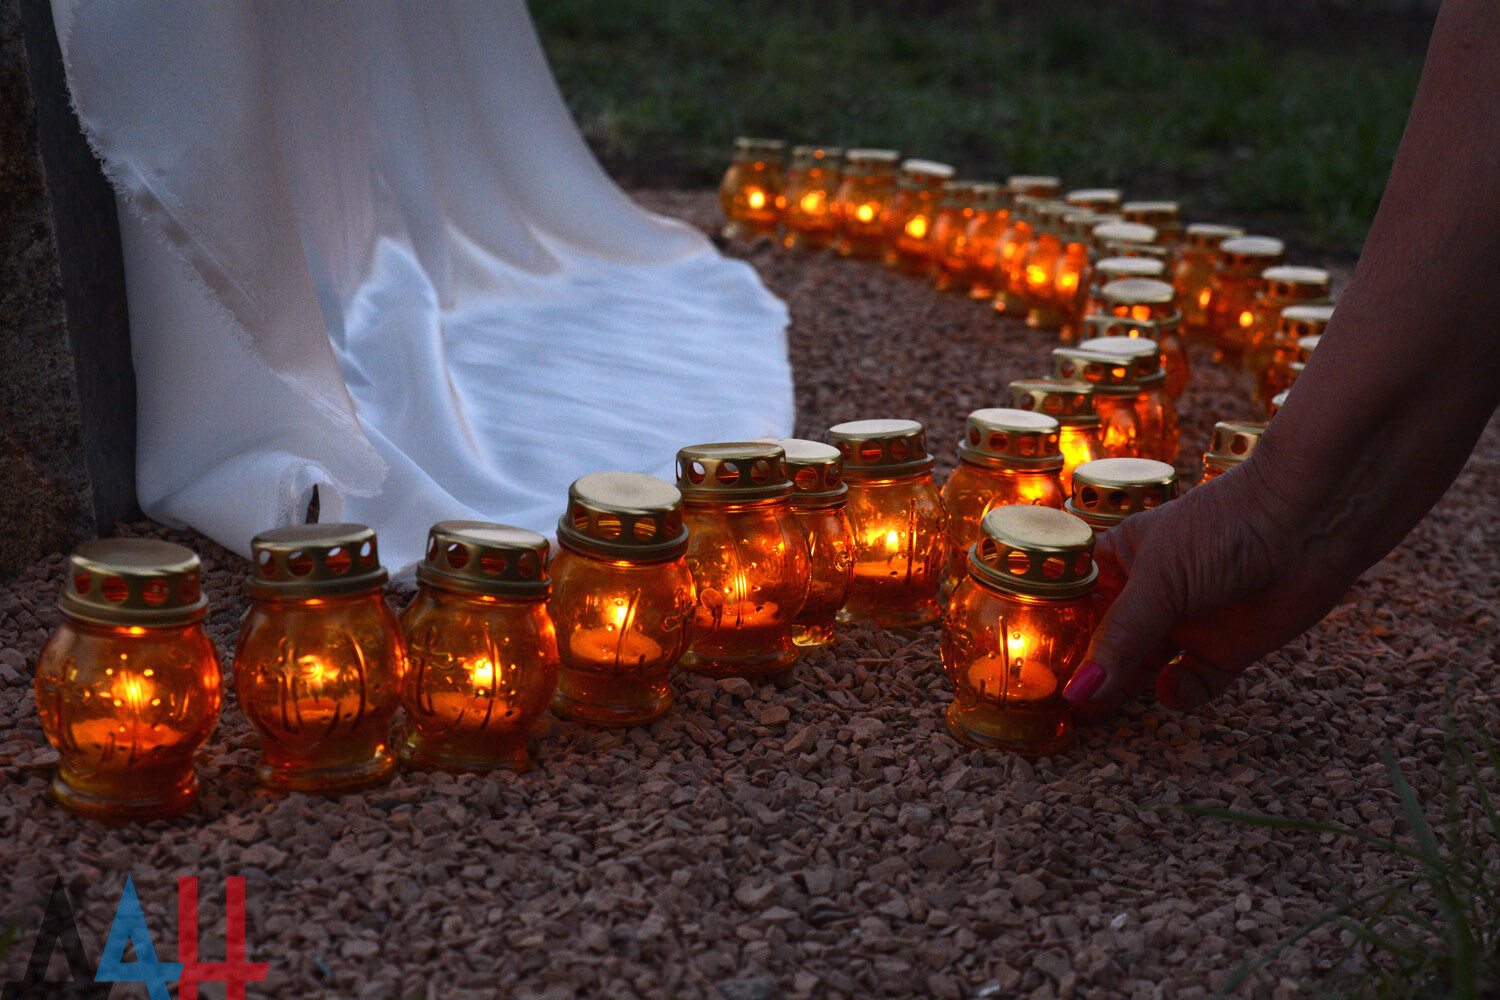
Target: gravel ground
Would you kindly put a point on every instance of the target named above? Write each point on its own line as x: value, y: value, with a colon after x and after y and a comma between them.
x: 824, y: 837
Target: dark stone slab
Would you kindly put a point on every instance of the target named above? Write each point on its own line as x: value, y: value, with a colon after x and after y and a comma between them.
x: 67, y: 387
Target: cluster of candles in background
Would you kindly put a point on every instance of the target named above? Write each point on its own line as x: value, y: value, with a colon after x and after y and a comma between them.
x: 760, y: 548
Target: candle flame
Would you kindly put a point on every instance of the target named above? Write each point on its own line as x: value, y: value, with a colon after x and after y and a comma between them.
x: 1140, y: 312
x: 620, y: 612
x: 1067, y: 282
x: 1203, y: 298
x: 1246, y: 318
x: 812, y: 202
x: 1036, y: 275
x: 482, y: 673
x: 892, y: 541
x: 916, y: 227
x: 865, y: 212
x: 756, y: 198
x: 132, y: 692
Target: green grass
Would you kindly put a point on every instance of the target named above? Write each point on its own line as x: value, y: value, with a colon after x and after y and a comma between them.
x: 1236, y: 125
x: 1433, y: 932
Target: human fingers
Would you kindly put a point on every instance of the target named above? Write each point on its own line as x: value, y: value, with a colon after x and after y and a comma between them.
x: 1190, y: 681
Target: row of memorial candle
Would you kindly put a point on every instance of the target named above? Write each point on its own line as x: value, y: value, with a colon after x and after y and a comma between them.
x: 760, y: 547
x: 1033, y: 250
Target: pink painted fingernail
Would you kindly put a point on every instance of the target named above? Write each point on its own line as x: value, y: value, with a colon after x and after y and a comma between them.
x: 1089, y: 679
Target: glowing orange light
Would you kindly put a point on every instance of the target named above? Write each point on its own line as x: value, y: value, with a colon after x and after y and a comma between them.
x: 1140, y: 312
x: 756, y: 198
x: 865, y: 213
x: 892, y: 541
x: 133, y: 692
x: 1036, y: 275
x: 1067, y: 282
x: 1247, y: 319
x: 1203, y: 298
x: 916, y: 227
x: 482, y: 675
x: 812, y: 202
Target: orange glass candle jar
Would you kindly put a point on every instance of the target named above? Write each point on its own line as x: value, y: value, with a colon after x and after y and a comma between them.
x: 752, y: 193
x: 1193, y: 271
x: 1129, y: 392
x: 865, y: 190
x: 1280, y: 287
x: 1230, y: 303
x: 622, y: 598
x: 748, y: 557
x: 1297, y: 332
x: 982, y: 241
x: 481, y: 649
x: 1032, y: 279
x: 1071, y: 404
x: 320, y: 663
x: 128, y: 686
x: 909, y: 246
x: 820, y: 500
x: 1005, y: 457
x: 1163, y: 216
x: 1108, y: 491
x: 812, y: 181
x: 1016, y: 629
x: 1145, y: 307
x: 950, y: 235
x: 1061, y: 302
x: 1026, y: 191
x: 1231, y: 444
x: 899, y: 524
x: 1106, y: 200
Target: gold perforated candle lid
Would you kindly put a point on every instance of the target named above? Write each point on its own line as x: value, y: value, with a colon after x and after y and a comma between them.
x: 1034, y: 551
x: 925, y: 173
x: 1291, y: 281
x: 1139, y: 292
x: 816, y: 156
x: 1251, y: 253
x: 1078, y: 225
x: 732, y: 472
x: 1108, y: 490
x: 1232, y: 443
x: 750, y: 148
x: 494, y: 560
x: 815, y: 469
x: 1096, y: 199
x: 1158, y: 214
x: 870, y: 161
x: 1070, y: 403
x: 1011, y: 439
x: 959, y: 194
x: 989, y: 196
x: 314, y: 560
x: 1209, y: 236
x: 1305, y: 348
x: 1301, y: 321
x: 1124, y: 234
x: 1116, y: 366
x: 1033, y: 185
x: 624, y: 516
x: 133, y: 581
x: 1111, y: 269
x: 881, y: 449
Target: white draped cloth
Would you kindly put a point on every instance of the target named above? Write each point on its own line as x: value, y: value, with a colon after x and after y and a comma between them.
x: 367, y: 250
